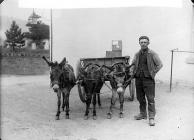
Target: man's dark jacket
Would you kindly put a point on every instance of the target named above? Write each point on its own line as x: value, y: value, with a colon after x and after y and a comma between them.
x: 153, y: 62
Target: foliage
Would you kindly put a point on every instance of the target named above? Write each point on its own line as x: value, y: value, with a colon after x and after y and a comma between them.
x: 38, y: 32
x: 14, y: 36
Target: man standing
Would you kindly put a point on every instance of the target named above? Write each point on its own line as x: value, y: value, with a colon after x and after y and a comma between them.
x: 146, y: 65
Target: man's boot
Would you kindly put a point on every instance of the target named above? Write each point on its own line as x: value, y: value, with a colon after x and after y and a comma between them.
x: 140, y: 116
x: 151, y: 122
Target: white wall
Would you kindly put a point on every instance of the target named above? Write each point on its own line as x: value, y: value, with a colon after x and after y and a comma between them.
x: 81, y: 33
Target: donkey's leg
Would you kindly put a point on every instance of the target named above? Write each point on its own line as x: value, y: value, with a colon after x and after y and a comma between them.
x: 67, y: 103
x: 113, y: 100
x: 121, y: 100
x: 58, y: 104
x: 88, y: 102
x: 63, y: 98
x: 99, y: 101
x: 94, y: 106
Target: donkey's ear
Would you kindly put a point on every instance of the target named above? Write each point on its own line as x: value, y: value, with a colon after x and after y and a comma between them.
x: 47, y: 61
x: 63, y: 61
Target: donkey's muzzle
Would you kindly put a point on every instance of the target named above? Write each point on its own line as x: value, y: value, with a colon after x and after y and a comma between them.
x: 55, y: 87
x: 120, y: 90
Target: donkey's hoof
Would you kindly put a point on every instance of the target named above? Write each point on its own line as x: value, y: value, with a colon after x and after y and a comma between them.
x: 94, y: 117
x: 121, y: 115
x: 67, y: 116
x: 100, y: 107
x: 57, y: 117
x: 109, y: 115
x: 86, y: 117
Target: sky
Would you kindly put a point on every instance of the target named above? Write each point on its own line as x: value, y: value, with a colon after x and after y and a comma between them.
x: 16, y: 7
x: 57, y: 4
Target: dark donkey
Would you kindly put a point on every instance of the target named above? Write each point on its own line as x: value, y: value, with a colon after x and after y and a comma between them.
x: 62, y: 81
x: 119, y: 78
x: 90, y: 77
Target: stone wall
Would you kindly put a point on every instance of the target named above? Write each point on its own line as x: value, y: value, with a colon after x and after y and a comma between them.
x: 24, y: 63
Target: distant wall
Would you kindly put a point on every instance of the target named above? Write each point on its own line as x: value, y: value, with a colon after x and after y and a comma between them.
x: 24, y: 63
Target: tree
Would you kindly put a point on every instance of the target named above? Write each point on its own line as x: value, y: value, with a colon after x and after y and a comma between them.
x: 38, y: 32
x: 14, y: 36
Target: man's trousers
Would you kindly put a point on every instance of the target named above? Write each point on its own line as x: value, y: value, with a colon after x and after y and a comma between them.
x: 145, y: 88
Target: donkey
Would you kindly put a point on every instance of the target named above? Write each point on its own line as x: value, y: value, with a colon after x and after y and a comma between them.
x: 90, y: 78
x: 119, y: 78
x: 62, y: 81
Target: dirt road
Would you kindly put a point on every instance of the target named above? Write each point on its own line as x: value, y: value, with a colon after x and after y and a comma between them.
x: 28, y: 108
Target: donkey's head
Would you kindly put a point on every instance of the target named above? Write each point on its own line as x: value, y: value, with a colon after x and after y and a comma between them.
x: 89, y: 71
x: 118, y: 75
x: 55, y: 73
